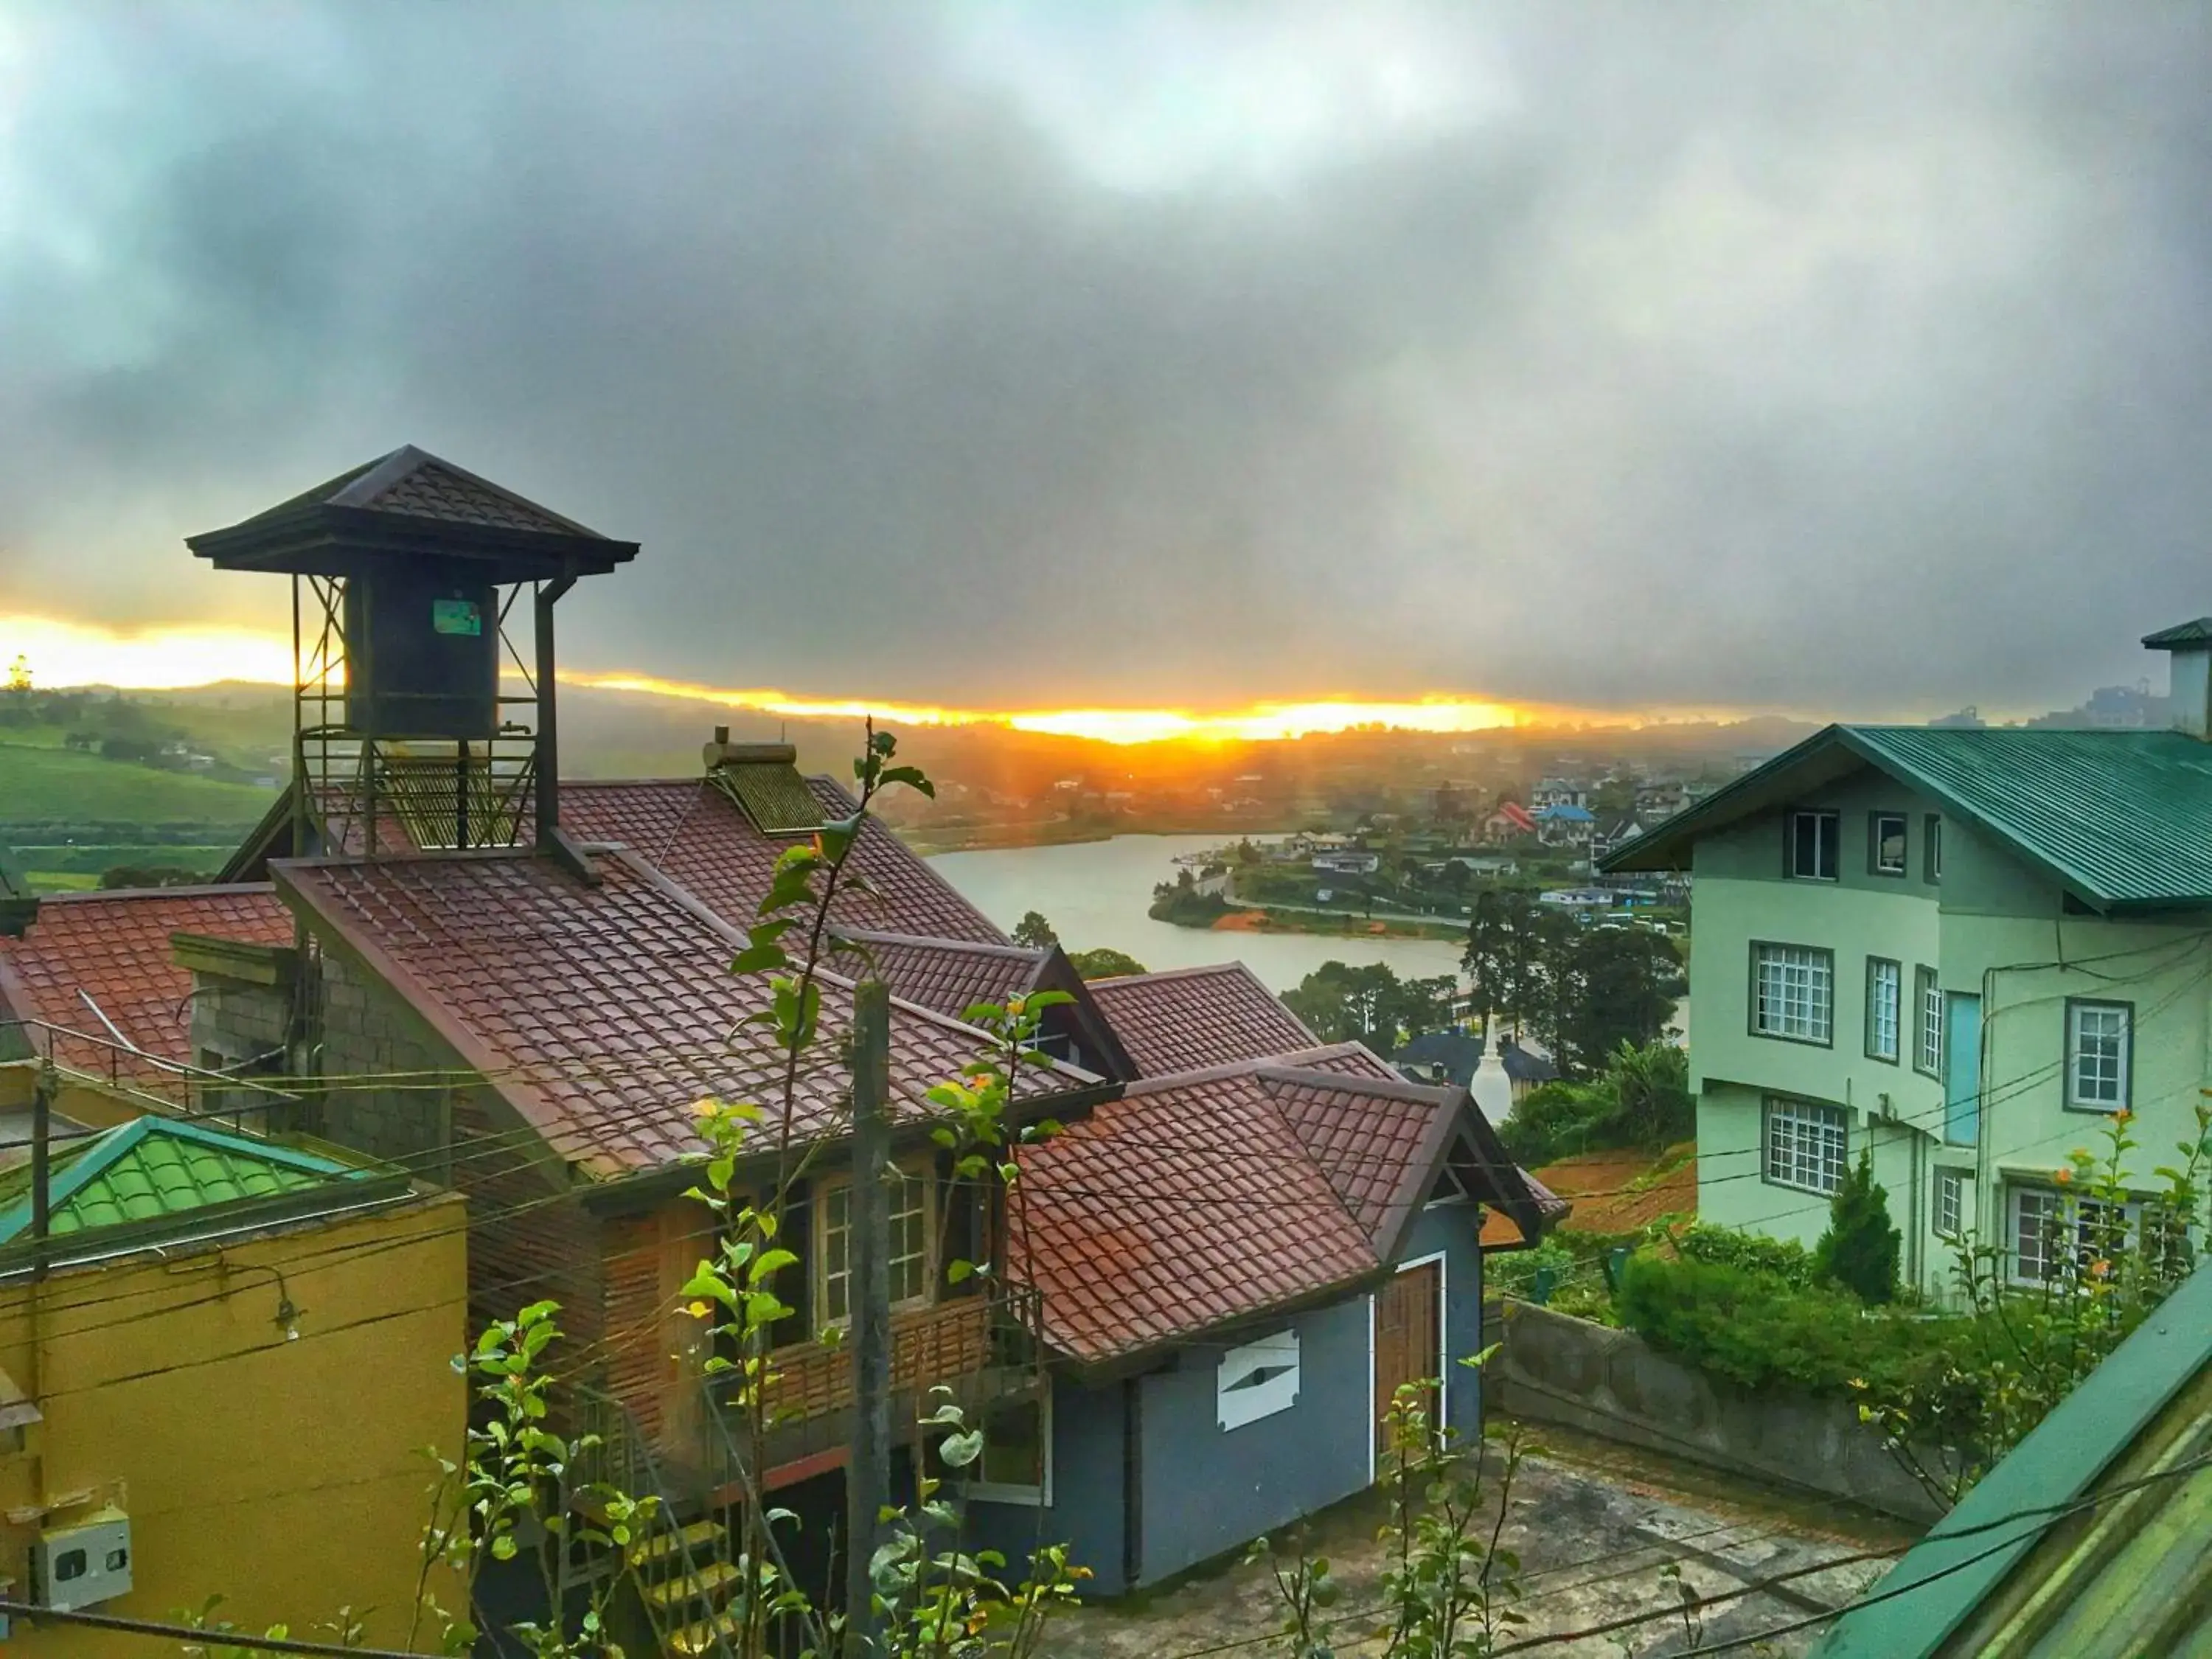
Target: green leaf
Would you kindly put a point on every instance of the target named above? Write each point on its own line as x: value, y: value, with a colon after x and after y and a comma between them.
x: 957, y: 1451
x: 911, y: 777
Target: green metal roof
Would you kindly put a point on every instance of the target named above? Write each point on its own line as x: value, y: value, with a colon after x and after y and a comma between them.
x: 152, y: 1169
x: 2119, y: 817
x: 2093, y: 1540
x: 2198, y: 632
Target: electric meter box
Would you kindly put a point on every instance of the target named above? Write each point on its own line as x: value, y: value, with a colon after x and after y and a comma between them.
x: 76, y: 1566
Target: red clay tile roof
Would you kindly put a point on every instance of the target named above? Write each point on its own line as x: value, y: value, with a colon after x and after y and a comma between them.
x: 1372, y: 1138
x: 691, y: 831
x: 1189, y: 1019
x: 602, y: 1014
x: 1188, y: 1203
x: 950, y: 975
x: 114, y: 947
x: 1346, y: 1058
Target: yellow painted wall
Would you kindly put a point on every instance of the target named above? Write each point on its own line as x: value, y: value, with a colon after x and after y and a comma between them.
x: 286, y: 1475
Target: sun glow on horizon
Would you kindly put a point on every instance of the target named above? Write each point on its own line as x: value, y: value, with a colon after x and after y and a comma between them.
x: 175, y: 658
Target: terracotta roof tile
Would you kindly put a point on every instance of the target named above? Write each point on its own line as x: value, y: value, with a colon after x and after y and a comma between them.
x: 950, y: 975
x: 1367, y: 1140
x: 602, y: 1014
x: 114, y: 947
x: 1188, y: 1018
x: 689, y: 828
x: 1187, y: 1203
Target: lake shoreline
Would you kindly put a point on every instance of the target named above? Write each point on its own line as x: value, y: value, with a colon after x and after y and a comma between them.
x: 1099, y: 894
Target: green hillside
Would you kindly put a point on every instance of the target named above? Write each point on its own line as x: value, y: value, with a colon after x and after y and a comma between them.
x: 41, y: 785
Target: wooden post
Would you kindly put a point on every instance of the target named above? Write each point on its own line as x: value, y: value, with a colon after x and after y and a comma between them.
x: 868, y: 1473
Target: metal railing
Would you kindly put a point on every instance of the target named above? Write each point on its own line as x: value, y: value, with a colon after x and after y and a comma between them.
x: 619, y: 1455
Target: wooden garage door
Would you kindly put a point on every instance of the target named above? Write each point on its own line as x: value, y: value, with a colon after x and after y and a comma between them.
x: 1408, y: 1345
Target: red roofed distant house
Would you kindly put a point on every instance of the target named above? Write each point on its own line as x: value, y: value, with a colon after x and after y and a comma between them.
x: 1510, y: 821
x: 1240, y: 1244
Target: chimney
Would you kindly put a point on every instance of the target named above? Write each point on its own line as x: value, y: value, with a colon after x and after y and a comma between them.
x: 2189, y: 645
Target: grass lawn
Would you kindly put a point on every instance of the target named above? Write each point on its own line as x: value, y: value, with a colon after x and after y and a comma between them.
x: 44, y: 785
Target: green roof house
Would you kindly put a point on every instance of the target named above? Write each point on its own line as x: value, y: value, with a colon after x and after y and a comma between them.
x: 155, y: 1178
x: 1962, y: 950
x: 2092, y: 1541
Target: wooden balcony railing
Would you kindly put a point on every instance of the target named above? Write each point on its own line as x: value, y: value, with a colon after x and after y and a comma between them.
x: 929, y: 1346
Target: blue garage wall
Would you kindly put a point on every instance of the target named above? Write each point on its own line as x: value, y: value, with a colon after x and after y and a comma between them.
x: 1454, y: 1231
x: 1206, y: 1490
x: 1086, y: 1509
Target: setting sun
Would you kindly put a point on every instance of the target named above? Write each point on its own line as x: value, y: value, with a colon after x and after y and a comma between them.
x: 74, y: 653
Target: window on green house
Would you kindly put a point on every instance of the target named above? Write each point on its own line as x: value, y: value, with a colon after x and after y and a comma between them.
x: 1928, y: 1052
x: 1793, y: 992
x: 2100, y: 1042
x: 2048, y: 1225
x: 1885, y: 844
x: 1931, y: 839
x: 1885, y: 1009
x: 1807, y: 1145
x: 1954, y: 1203
x: 1813, y: 837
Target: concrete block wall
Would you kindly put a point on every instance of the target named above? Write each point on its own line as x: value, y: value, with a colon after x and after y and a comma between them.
x: 367, y: 1032
x: 1555, y: 1369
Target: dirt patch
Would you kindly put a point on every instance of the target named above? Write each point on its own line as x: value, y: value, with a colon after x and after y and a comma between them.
x: 1592, y: 1524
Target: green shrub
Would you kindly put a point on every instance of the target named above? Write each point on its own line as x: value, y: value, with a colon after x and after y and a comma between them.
x: 1556, y: 1120
x: 1757, y: 1329
x: 1513, y: 1273
x: 1783, y: 1259
x: 1859, y: 1251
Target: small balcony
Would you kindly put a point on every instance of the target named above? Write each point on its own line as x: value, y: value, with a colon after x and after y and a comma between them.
x: 980, y: 1347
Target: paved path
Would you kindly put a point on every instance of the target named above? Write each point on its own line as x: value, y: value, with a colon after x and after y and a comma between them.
x: 1593, y: 1525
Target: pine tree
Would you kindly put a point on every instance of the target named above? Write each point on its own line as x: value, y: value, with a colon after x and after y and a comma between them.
x: 1859, y: 1251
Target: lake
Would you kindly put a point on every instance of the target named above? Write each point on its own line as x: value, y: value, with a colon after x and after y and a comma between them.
x: 1094, y: 893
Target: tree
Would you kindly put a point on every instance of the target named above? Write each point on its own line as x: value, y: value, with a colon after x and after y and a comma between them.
x: 19, y: 675
x: 1599, y: 988
x: 1035, y: 932
x: 1104, y: 962
x: 1370, y: 1005
x: 1859, y: 1251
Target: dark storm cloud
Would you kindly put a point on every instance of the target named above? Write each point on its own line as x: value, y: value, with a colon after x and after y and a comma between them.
x: 1824, y: 357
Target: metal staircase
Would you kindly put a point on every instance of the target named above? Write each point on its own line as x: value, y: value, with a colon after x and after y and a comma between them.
x: 681, y: 1569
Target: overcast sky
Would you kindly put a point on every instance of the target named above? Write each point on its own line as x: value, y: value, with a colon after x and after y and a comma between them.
x: 1826, y: 357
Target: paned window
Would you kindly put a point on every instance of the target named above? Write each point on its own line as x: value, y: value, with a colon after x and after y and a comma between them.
x: 1807, y: 1145
x: 2047, y: 1225
x: 1794, y: 992
x: 1931, y: 839
x: 1885, y: 844
x: 1813, y: 845
x: 1928, y: 1052
x: 2099, y: 1038
x: 908, y: 1197
x: 1954, y: 1204
x: 1885, y: 1008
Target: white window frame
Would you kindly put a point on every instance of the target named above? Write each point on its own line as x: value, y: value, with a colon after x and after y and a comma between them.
x: 833, y: 1243
x: 992, y: 1492
x: 1875, y: 863
x: 1928, y: 1022
x: 1955, y: 1188
x: 2121, y: 1079
x: 1885, y: 1032
x: 2073, y: 1213
x: 1805, y: 970
x: 1238, y: 1399
x: 1827, y: 832
x: 1808, y: 1142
